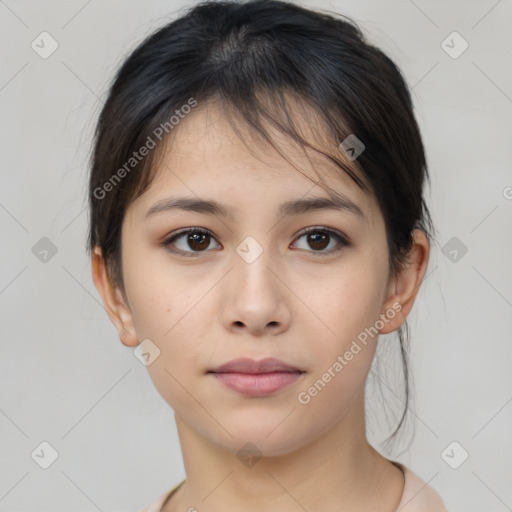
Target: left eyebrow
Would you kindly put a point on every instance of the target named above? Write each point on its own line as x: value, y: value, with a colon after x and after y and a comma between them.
x: 339, y: 203
x: 293, y: 207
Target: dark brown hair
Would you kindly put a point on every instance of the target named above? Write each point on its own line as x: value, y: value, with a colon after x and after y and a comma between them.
x: 250, y: 56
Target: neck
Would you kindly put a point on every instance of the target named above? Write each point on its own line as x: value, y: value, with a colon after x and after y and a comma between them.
x: 339, y: 471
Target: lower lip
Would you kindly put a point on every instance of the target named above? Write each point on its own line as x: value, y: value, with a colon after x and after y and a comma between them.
x: 260, y: 384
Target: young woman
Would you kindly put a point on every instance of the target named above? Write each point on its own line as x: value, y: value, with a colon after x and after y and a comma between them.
x: 256, y: 221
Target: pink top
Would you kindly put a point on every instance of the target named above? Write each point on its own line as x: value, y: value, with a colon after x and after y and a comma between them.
x: 416, y: 497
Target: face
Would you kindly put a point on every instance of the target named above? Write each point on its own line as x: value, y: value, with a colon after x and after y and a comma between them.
x: 254, y: 281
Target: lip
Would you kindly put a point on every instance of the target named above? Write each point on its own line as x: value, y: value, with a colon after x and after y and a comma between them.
x: 246, y: 365
x: 256, y: 378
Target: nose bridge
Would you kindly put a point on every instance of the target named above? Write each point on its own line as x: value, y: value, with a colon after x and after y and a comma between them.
x: 257, y: 299
x: 252, y: 262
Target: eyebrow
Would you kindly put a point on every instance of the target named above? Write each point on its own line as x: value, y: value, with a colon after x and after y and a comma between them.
x: 293, y: 207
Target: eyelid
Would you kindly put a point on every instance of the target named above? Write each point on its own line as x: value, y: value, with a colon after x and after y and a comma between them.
x: 167, y: 241
x: 331, y: 231
x: 341, y: 238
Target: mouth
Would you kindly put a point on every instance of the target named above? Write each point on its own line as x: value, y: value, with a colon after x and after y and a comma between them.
x: 256, y: 378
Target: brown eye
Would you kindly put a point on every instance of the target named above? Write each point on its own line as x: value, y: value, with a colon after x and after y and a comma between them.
x: 198, y: 241
x: 323, y: 241
x: 189, y: 241
x: 318, y: 241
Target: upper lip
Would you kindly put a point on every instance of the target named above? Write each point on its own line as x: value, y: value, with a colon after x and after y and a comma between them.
x: 246, y: 365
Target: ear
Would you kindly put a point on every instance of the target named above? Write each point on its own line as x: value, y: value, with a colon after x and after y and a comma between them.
x: 404, y: 287
x: 114, y: 300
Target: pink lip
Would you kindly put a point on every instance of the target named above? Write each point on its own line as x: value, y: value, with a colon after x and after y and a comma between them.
x: 256, y: 378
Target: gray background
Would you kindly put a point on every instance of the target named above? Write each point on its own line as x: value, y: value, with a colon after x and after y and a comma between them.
x: 66, y: 379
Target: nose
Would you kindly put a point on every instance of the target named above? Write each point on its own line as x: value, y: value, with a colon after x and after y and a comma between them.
x: 255, y: 299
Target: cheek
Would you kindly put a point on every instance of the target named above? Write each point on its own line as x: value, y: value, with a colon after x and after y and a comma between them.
x: 158, y: 294
x: 349, y: 303
x: 168, y: 307
x: 350, y: 307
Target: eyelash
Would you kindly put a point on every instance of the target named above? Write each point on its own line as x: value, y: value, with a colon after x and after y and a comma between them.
x: 342, y: 240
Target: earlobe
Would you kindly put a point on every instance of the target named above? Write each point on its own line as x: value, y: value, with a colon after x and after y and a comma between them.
x: 113, y: 300
x: 404, y: 287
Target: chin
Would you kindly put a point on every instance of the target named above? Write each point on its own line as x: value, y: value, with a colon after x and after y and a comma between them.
x: 258, y: 443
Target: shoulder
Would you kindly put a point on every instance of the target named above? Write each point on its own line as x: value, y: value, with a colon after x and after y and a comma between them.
x: 156, y: 505
x: 418, y: 496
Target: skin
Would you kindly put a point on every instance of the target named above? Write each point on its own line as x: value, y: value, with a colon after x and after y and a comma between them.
x: 204, y: 310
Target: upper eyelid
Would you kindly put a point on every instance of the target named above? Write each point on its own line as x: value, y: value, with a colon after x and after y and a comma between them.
x: 168, y: 240
x: 343, y: 239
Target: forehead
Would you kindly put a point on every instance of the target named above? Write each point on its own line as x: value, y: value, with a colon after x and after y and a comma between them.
x: 211, y: 127
x: 210, y: 153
